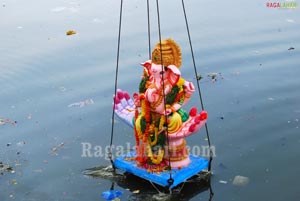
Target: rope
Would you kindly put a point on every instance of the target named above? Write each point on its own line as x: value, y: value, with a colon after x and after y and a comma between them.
x: 149, y: 41
x: 153, y: 185
x: 112, y: 186
x: 116, y: 84
x: 198, y: 85
x: 211, y: 192
x: 170, y: 180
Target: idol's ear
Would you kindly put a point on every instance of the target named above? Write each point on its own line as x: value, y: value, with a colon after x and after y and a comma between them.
x: 174, y: 74
x: 147, y: 67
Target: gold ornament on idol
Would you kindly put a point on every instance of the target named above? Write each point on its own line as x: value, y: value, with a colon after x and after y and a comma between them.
x: 170, y: 52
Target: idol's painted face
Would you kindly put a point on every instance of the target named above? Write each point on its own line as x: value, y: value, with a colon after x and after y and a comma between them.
x: 157, y: 70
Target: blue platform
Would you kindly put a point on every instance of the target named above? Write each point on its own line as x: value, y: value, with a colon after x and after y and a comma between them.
x: 179, y: 175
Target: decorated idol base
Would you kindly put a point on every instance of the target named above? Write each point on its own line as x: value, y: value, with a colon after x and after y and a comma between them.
x: 197, y: 164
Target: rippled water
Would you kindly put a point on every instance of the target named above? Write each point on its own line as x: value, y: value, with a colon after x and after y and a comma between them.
x: 253, y: 106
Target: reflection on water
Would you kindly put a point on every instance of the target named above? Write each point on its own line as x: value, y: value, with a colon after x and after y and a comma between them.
x: 145, y: 190
x: 253, y: 109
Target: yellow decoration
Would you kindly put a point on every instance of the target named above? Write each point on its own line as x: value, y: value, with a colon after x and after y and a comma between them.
x: 158, y: 159
x: 180, y: 83
x: 170, y: 52
x: 175, y: 123
x: 161, y: 123
x: 138, y: 127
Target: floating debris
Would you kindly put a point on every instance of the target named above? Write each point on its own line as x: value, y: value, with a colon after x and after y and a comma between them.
x: 290, y: 20
x: 72, y: 7
x: 240, y: 180
x: 236, y: 73
x: 136, y: 191
x: 161, y: 196
x: 62, y: 89
x: 14, y: 182
x: 21, y: 143
x: 54, y: 150
x: 2, y: 122
x: 37, y: 171
x: 82, y: 103
x: 5, y: 168
x: 71, y: 32
x: 7, y: 120
x: 223, y: 182
x: 291, y: 48
x: 199, y: 77
x: 97, y: 20
x: 105, y: 172
x: 29, y: 116
x: 111, y: 194
x: 214, y: 76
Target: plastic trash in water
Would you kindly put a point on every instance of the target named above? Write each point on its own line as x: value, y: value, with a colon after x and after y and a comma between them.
x: 111, y: 194
x: 82, y: 103
x: 7, y: 120
x: 240, y: 180
x: 21, y: 143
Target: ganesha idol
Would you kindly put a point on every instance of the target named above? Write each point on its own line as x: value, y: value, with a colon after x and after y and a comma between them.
x: 160, y: 124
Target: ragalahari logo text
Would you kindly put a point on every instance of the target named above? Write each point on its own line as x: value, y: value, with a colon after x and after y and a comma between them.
x: 284, y: 5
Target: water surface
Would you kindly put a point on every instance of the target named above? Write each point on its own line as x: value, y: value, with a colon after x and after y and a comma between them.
x: 253, y: 106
